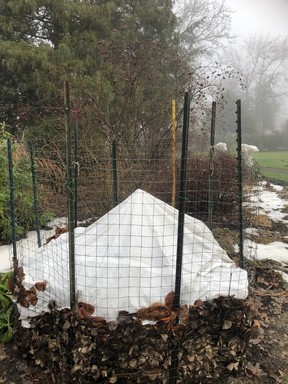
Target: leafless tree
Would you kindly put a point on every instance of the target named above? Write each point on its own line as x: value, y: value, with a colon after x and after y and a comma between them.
x: 263, y: 61
x: 204, y: 25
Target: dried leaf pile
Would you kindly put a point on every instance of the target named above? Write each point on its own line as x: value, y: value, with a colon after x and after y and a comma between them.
x: 208, y: 339
x: 22, y: 296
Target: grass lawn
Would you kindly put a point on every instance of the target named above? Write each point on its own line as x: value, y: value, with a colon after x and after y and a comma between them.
x: 273, y: 165
x: 272, y: 159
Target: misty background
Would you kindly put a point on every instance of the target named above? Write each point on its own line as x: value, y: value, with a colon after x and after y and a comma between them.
x: 251, y: 48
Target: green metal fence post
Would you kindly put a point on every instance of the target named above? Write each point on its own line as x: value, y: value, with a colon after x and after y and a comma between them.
x: 211, y: 166
x: 76, y: 172
x: 240, y: 185
x: 114, y: 167
x: 180, y: 235
x: 12, y: 200
x: 35, y: 195
x: 182, y: 199
x: 71, y: 220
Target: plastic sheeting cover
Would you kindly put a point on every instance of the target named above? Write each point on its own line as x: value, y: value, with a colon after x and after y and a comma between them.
x: 127, y: 260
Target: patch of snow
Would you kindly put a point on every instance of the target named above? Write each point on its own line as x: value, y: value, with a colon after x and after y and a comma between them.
x: 284, y: 275
x: 268, y: 203
x: 251, y: 231
x: 277, y: 188
x: 277, y: 251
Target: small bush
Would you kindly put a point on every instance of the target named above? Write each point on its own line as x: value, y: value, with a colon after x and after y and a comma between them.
x: 23, y: 192
x: 224, y: 183
x: 8, y: 311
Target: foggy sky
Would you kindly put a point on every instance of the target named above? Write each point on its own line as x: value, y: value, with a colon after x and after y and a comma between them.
x: 259, y: 17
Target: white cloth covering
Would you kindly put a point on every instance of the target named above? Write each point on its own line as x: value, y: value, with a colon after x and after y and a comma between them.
x: 127, y: 260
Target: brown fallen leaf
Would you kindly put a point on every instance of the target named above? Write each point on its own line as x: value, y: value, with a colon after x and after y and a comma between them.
x: 31, y: 290
x: 178, y: 330
x: 152, y: 375
x: 281, y: 373
x: 233, y: 366
x: 41, y: 285
x: 97, y: 320
x: 23, y: 302
x: 58, y: 231
x: 20, y: 274
x: 32, y: 295
x: 256, y: 323
x: 169, y: 299
x: 155, y: 311
x: 198, y: 303
x: 168, y: 319
x: 251, y: 370
x: 227, y: 324
x: 20, y: 290
x: 254, y: 332
x: 88, y: 308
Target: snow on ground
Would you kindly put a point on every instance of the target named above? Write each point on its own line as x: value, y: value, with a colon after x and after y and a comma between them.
x: 268, y: 202
x: 277, y: 251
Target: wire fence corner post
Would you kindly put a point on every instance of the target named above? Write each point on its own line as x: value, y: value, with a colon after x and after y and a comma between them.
x: 240, y: 185
x: 69, y: 182
x: 182, y: 199
x: 180, y: 235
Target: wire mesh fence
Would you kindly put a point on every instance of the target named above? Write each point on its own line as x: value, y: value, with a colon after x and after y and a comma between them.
x: 114, y: 256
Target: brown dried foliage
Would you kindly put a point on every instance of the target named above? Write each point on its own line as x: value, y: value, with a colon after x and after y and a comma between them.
x: 209, y: 337
x: 24, y: 297
x: 58, y: 231
x: 224, y: 184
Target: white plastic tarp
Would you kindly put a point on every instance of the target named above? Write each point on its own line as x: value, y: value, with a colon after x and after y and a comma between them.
x: 127, y: 260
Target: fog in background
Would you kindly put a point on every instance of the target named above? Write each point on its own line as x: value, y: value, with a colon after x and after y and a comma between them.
x: 259, y: 51
x: 251, y: 17
x: 266, y: 19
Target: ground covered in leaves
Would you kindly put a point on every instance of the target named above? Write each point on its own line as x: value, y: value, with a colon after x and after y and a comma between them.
x: 245, y: 349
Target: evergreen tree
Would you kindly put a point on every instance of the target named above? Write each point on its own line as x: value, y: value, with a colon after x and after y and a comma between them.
x: 123, y: 59
x: 120, y: 57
